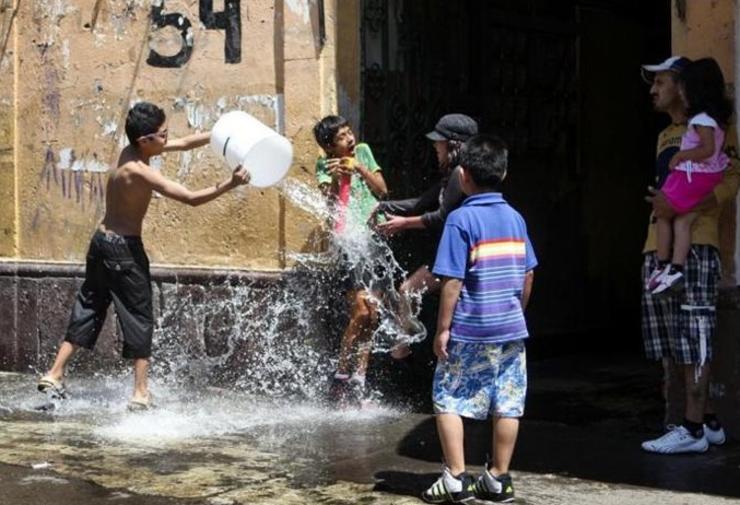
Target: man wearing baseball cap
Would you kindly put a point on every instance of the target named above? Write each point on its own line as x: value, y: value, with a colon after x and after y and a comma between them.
x: 673, y: 64
x: 428, y: 212
x: 678, y: 330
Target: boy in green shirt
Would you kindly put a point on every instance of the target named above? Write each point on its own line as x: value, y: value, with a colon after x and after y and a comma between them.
x: 353, y: 181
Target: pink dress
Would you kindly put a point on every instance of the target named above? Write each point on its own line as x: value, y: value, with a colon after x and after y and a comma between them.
x: 691, y: 181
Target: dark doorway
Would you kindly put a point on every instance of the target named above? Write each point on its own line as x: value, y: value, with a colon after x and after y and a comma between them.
x: 560, y: 82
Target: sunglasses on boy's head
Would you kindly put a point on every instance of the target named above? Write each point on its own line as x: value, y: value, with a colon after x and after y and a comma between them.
x: 151, y: 136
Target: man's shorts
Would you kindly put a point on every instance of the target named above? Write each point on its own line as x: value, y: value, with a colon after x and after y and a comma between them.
x: 478, y: 380
x: 117, y: 270
x: 681, y: 326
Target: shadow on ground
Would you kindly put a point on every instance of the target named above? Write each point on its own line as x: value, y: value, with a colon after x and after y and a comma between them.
x: 584, y: 419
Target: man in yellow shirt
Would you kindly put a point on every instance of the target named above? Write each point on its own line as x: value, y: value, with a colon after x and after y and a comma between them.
x: 678, y: 330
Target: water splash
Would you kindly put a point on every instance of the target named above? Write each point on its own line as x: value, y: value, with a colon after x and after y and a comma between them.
x: 373, y: 263
x: 306, y: 198
x: 97, y: 408
x: 266, y: 339
x: 279, y: 339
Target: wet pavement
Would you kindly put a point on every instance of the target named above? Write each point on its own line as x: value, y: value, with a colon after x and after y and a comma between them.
x: 579, y: 443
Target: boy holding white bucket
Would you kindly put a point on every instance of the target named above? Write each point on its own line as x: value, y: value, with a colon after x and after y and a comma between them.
x: 353, y: 181
x: 117, y: 267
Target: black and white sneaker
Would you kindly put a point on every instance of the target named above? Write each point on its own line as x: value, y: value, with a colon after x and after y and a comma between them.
x: 450, y: 489
x: 491, y: 489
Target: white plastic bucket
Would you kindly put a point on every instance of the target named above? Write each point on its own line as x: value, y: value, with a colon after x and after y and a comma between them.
x: 243, y: 140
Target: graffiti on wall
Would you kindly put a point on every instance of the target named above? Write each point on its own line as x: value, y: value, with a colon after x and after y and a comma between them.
x: 73, y: 177
x: 228, y: 20
x: 80, y: 178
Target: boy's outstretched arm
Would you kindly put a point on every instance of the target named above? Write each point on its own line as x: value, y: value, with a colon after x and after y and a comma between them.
x: 527, y: 291
x: 448, y: 297
x: 176, y: 191
x: 189, y: 142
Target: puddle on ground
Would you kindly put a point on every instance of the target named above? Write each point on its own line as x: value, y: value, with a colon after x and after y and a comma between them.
x: 211, y: 443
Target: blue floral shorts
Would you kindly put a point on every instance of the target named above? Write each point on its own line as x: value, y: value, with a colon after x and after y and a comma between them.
x: 478, y: 380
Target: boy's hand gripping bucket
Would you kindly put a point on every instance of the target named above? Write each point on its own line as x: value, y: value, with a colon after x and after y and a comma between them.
x: 243, y: 140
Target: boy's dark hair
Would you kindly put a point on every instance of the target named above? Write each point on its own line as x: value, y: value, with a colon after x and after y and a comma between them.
x: 484, y: 157
x: 704, y: 88
x: 326, y: 129
x: 144, y: 118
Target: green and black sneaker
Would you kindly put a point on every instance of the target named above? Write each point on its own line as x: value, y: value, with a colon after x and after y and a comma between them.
x: 490, y: 489
x: 450, y: 489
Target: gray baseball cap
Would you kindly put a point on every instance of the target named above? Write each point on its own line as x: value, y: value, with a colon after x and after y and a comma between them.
x: 454, y: 127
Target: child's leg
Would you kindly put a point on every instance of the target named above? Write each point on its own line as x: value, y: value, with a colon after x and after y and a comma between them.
x: 360, y: 319
x: 66, y: 351
x: 682, y: 237
x: 141, y: 374
x: 505, y: 431
x: 664, y: 231
x: 364, y: 343
x: 450, y: 430
x: 421, y: 282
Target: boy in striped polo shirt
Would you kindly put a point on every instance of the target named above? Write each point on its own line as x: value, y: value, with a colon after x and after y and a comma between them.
x: 486, y: 261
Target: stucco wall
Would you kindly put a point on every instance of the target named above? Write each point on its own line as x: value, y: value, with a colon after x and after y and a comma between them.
x: 72, y: 68
x: 7, y: 128
x: 700, y: 29
x: 707, y: 29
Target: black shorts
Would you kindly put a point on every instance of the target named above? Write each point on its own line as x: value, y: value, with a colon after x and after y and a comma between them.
x: 117, y: 270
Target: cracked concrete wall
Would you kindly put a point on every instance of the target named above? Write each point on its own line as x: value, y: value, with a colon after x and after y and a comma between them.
x: 81, y: 64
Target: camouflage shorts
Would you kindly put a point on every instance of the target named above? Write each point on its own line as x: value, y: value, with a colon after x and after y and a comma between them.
x: 478, y: 380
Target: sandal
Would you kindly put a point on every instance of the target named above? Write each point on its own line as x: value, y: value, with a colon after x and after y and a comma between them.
x: 50, y: 385
x: 139, y: 405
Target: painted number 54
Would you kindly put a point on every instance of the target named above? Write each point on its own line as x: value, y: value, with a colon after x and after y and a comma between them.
x: 229, y: 20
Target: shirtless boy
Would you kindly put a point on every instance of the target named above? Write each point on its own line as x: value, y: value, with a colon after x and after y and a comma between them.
x: 117, y: 266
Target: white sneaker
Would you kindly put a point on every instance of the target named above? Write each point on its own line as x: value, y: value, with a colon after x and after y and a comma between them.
x: 715, y: 437
x: 676, y: 441
x: 669, y: 282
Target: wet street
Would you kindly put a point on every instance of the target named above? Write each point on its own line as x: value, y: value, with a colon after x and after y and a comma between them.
x: 578, y: 444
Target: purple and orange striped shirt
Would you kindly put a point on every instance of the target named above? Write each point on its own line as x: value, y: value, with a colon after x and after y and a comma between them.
x: 485, y: 244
